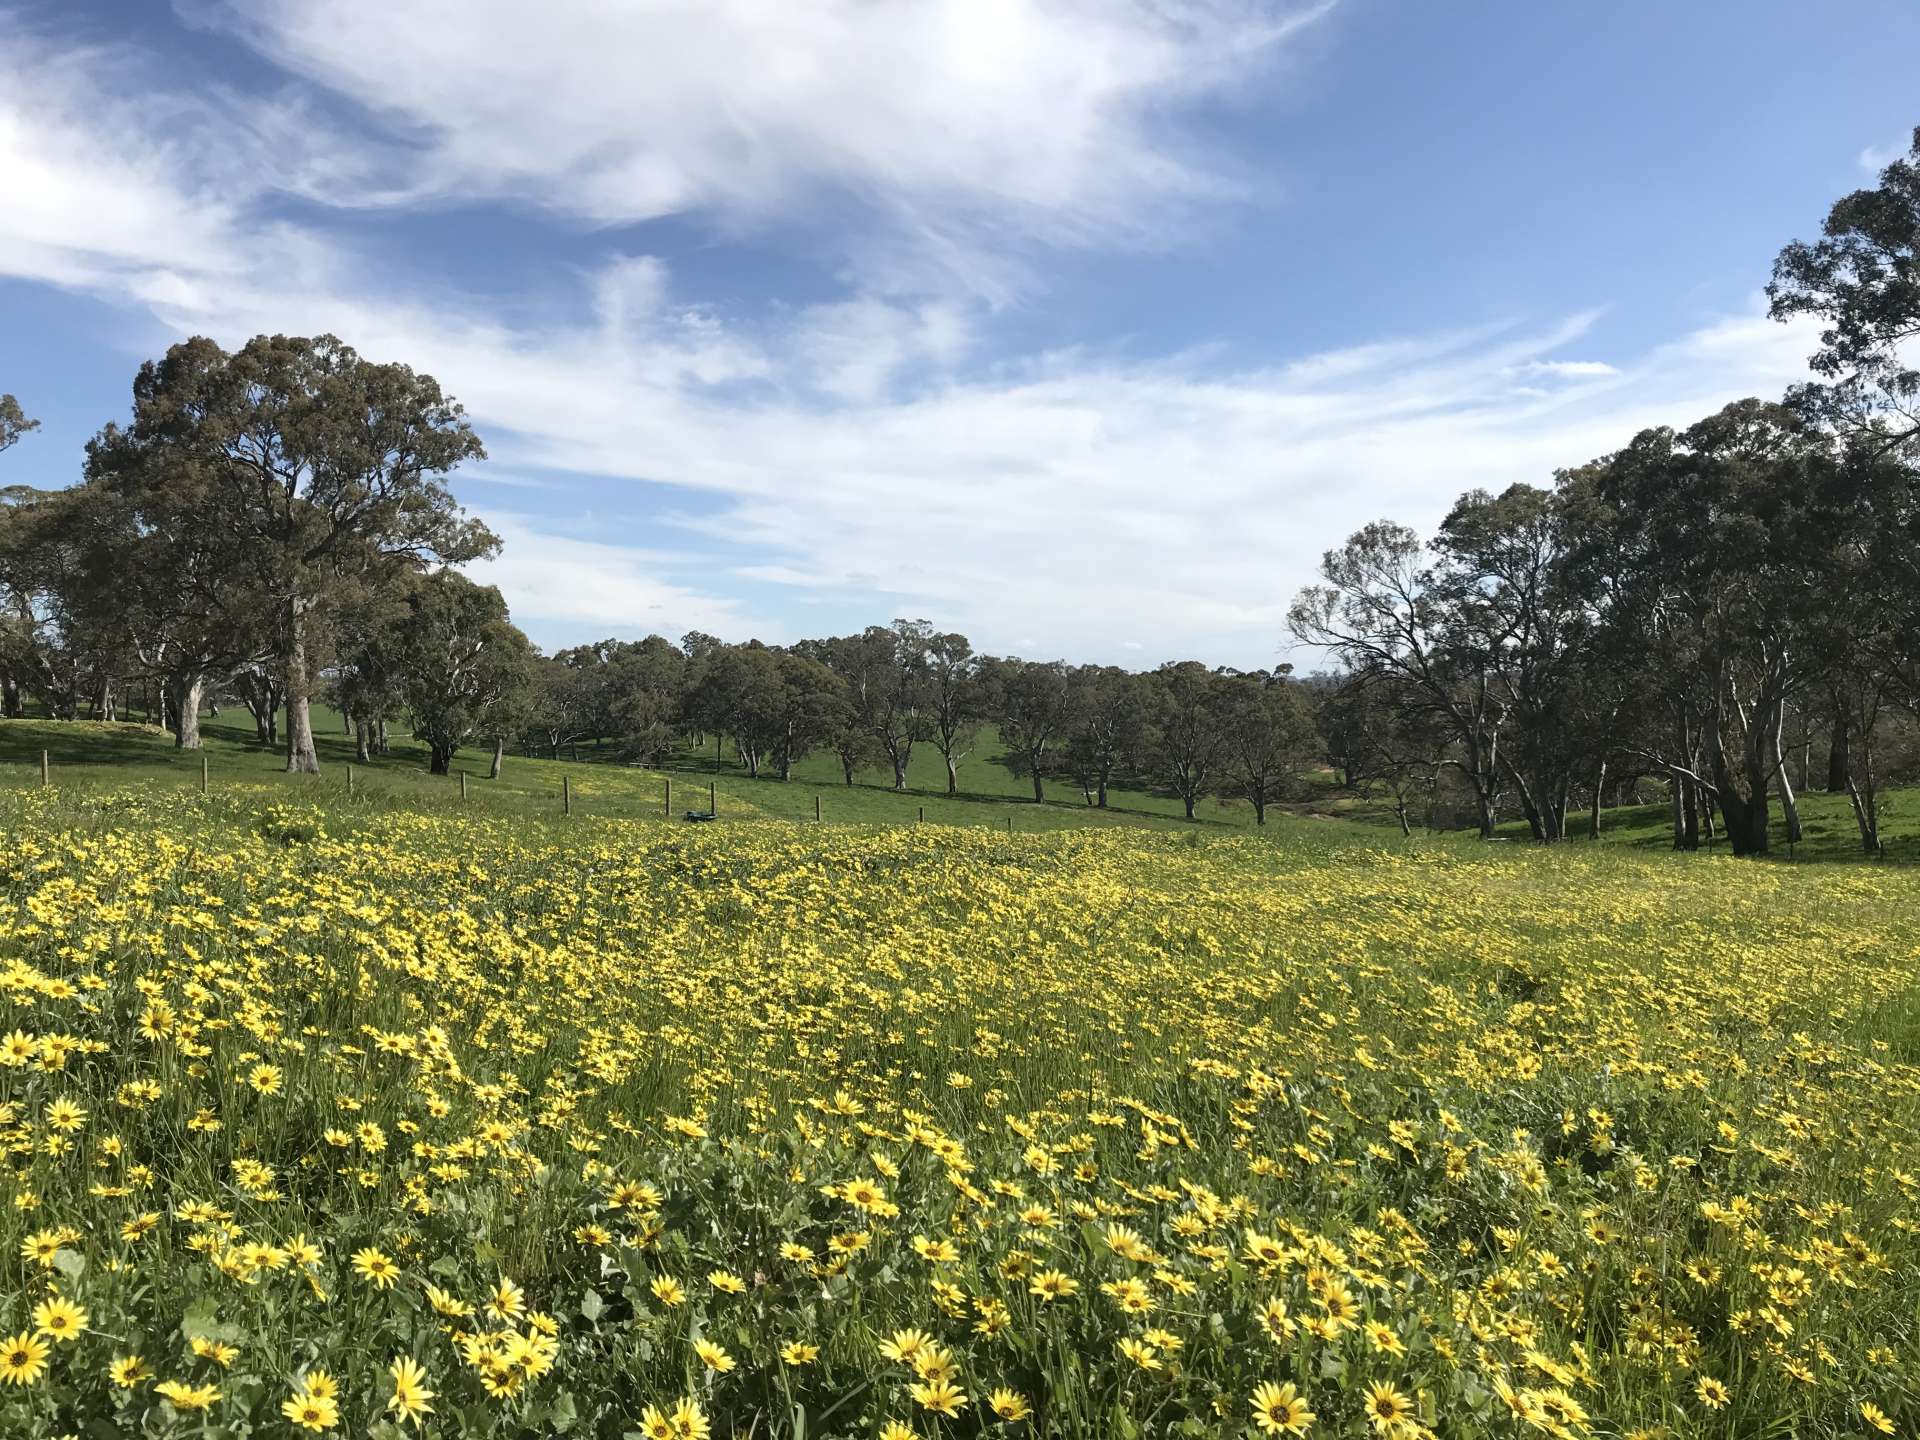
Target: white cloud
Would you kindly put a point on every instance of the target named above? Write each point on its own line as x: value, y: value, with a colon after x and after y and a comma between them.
x: 564, y: 585
x: 854, y: 349
x: 1568, y: 369
x: 96, y: 189
x: 1876, y: 158
x: 950, y: 119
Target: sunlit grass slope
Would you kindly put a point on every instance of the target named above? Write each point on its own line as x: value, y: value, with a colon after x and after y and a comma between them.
x: 87, y: 754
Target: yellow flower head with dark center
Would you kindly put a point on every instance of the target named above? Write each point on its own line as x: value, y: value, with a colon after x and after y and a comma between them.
x: 1382, y: 1338
x: 183, y: 1396
x: 311, y: 1412
x: 218, y: 1351
x: 1276, y: 1322
x: 22, y: 1358
x: 373, y: 1265
x: 1051, y: 1285
x: 447, y: 1304
x: 59, y: 1320
x: 411, y: 1397
x: 939, y: 1396
x: 1264, y: 1251
x: 1386, y: 1408
x: 1279, y: 1410
x: 507, y: 1301
x: 905, y: 1345
x: 128, y: 1371
x: 714, y: 1357
x: 1009, y: 1405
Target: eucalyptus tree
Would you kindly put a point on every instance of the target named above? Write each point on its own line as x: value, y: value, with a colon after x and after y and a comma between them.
x: 14, y: 422
x: 809, y: 707
x: 645, y: 682
x: 1723, y: 538
x: 32, y: 648
x: 1108, y: 729
x: 16, y: 630
x: 846, y: 733
x: 1033, y: 707
x: 1861, y: 281
x: 885, y: 671
x: 1381, y: 611
x: 1382, y: 739
x: 1186, y: 736
x: 176, y: 584
x: 1510, y: 616
x: 956, y: 698
x: 1267, y: 734
x: 321, y: 472
x: 461, y: 664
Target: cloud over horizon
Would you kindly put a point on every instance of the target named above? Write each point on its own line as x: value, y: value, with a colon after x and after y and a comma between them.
x: 884, y: 450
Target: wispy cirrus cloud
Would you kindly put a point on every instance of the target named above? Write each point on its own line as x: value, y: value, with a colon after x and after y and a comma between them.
x: 622, y: 112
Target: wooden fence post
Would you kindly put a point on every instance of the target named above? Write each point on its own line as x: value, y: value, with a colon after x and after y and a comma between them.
x: 45, y: 779
x: 203, y: 774
x: 349, y: 779
x: 921, y: 817
x: 463, y: 784
x: 566, y: 796
x: 667, y: 809
x: 713, y: 799
x: 1009, y: 824
x: 816, y: 807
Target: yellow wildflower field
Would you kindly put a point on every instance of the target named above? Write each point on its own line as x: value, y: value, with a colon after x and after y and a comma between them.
x: 376, y: 1123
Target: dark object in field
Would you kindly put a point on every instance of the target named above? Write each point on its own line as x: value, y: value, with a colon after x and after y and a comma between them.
x: 699, y: 814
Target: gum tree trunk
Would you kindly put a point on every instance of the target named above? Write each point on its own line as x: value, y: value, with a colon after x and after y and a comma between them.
x: 184, y: 700
x: 301, y: 757
x: 499, y: 756
x: 1787, y: 805
x: 1837, y: 751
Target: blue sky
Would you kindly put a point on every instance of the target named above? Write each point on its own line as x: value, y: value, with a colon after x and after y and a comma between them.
x: 1080, y: 327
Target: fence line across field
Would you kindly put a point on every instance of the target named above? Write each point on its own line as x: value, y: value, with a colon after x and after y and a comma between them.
x: 712, y: 812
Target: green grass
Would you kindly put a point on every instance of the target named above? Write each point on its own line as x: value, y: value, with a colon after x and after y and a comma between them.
x: 86, y: 754
x: 92, y: 754
x: 1828, y: 831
